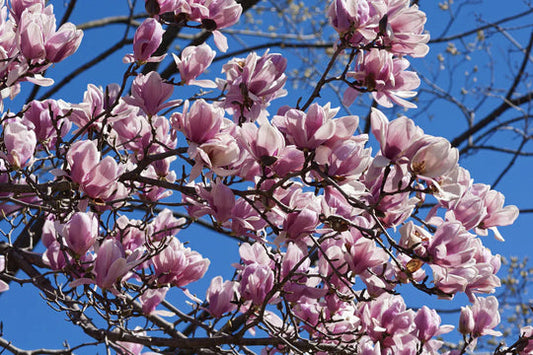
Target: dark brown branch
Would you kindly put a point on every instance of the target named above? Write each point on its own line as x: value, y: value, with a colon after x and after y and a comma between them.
x: 491, y: 117
x: 7, y: 345
x: 127, y: 20
x: 475, y: 30
x: 68, y: 12
x: 511, y: 163
x: 211, y: 342
x: 46, y: 188
x: 498, y: 149
x: 518, y: 76
x: 280, y: 44
x: 168, y: 37
x: 28, y: 239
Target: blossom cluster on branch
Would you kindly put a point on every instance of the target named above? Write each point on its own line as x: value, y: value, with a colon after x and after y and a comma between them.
x: 329, y: 230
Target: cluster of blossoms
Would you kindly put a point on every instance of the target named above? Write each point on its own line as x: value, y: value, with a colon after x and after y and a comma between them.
x: 393, y: 29
x: 316, y: 211
x: 212, y: 15
x: 30, y: 43
x: 151, y: 254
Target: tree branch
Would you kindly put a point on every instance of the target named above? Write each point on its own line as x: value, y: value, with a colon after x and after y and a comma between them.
x: 491, y: 117
x: 481, y: 28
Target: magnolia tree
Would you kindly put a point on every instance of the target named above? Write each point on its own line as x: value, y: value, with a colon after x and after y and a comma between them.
x: 330, y: 231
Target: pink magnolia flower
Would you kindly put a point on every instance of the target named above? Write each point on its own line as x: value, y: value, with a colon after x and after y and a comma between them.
x: 218, y: 154
x: 334, y: 203
x: 362, y: 253
x: 200, y: 122
x: 294, y: 269
x: 36, y: 24
x: 193, y: 62
x: 345, y: 160
x: 102, y: 181
x: 356, y: 21
x: 345, y: 127
x: 131, y: 235
x: 385, y: 76
x: 344, y: 324
x: 497, y: 215
x: 469, y: 210
x: 432, y: 157
x: 415, y: 238
x: 307, y: 130
x: 291, y: 159
x: 156, y: 7
x: 63, y: 43
x: 3, y: 286
x: 96, y: 100
x: 212, y: 14
x: 219, y: 201
x: 396, y: 136
x: 81, y: 232
x: 487, y: 266
x: 452, y: 245
x: 54, y: 256
x: 82, y: 157
x: 466, y: 321
x: 110, y: 265
x: 43, y: 116
x: 252, y: 83
x: 405, y: 25
x: 452, y: 186
x: 256, y: 282
x: 332, y: 259
x: 165, y: 225
x: 132, y: 132
x: 147, y: 39
x: 427, y: 322
x: 224, y: 13
x: 368, y: 347
x: 151, y: 298
x: 153, y: 192
x: 255, y: 253
x: 263, y: 142
x: 20, y: 143
x: 98, y: 178
x: 38, y: 38
x: 301, y: 224
x: 351, y: 252
x: 386, y: 319
x: 245, y: 220
x: 215, y: 15
x: 18, y: 7
x: 453, y: 279
x: 396, y: 207
x: 480, y: 318
x: 149, y: 92
x: 32, y: 46
x: 293, y: 256
x: 222, y: 296
x: 178, y: 265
